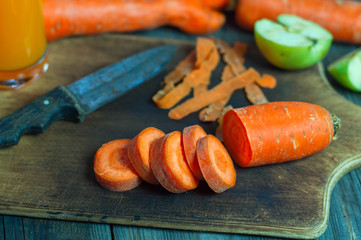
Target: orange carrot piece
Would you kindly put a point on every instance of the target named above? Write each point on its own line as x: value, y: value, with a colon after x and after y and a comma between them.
x: 207, y: 59
x: 214, y: 110
x: 211, y: 60
x: 240, y: 48
x: 267, y: 81
x: 341, y: 18
x: 232, y: 56
x: 112, y: 167
x: 217, y: 93
x: 169, y: 165
x: 182, y: 69
x: 200, y: 88
x: 254, y: 94
x: 138, y: 153
x: 216, y: 164
x: 216, y: 4
x: 276, y: 132
x: 191, y: 135
x: 196, y: 77
x: 84, y: 17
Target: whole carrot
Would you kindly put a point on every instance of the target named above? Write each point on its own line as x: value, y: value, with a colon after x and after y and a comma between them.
x: 341, y: 18
x: 277, y: 132
x: 83, y: 17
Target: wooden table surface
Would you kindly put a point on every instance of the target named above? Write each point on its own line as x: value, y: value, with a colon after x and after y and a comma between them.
x: 345, y: 208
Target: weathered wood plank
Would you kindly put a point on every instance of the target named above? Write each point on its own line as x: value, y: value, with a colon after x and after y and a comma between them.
x: 2, y: 232
x: 13, y: 227
x: 41, y: 229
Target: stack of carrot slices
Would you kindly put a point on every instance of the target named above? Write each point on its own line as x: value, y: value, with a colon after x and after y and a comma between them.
x: 177, y: 161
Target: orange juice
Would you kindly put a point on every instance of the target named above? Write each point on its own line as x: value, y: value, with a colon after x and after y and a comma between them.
x: 22, y: 34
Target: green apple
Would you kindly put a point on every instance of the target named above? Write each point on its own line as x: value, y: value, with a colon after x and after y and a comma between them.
x: 347, y: 70
x: 292, y: 42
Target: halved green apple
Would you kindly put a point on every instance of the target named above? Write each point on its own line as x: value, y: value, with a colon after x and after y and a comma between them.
x: 347, y: 70
x: 292, y: 42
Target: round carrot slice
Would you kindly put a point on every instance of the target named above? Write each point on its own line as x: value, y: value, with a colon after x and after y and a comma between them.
x: 112, y: 167
x: 216, y: 164
x: 169, y: 165
x: 138, y: 153
x: 191, y: 135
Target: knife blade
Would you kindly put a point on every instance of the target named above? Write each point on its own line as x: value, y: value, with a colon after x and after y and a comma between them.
x: 74, y: 101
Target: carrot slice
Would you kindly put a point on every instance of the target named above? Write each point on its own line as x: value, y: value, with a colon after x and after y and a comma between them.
x: 216, y: 164
x: 191, y: 135
x: 112, y: 167
x: 138, y: 152
x: 169, y: 165
x: 276, y: 132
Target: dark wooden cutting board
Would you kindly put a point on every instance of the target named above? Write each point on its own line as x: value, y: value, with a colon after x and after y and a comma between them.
x: 50, y: 175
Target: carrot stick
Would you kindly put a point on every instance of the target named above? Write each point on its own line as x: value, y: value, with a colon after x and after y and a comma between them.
x: 169, y: 165
x: 267, y: 81
x: 277, y: 132
x: 84, y: 17
x: 254, y: 94
x: 191, y: 135
x: 112, y: 167
x: 341, y: 18
x: 138, y: 152
x: 217, y: 93
x: 216, y: 164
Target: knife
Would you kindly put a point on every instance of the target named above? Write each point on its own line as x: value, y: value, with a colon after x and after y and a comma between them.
x: 74, y: 101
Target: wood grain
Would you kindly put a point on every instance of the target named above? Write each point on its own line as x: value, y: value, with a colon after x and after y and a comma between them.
x: 50, y: 175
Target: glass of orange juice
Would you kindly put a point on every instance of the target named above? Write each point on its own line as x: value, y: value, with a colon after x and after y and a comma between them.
x: 23, y: 45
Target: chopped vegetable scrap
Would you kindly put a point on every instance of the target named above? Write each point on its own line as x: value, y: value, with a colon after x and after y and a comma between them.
x: 170, y: 160
x: 200, y: 64
x: 196, y: 76
x: 277, y: 132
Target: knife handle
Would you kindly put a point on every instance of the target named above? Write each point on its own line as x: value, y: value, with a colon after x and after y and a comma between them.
x: 59, y: 104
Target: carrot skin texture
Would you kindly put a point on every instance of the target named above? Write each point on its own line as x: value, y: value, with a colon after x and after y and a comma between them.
x: 138, y: 153
x: 215, y: 4
x: 84, y: 17
x: 276, y: 132
x: 167, y: 160
x: 112, y: 167
x: 191, y: 135
x: 216, y: 164
x: 341, y: 18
